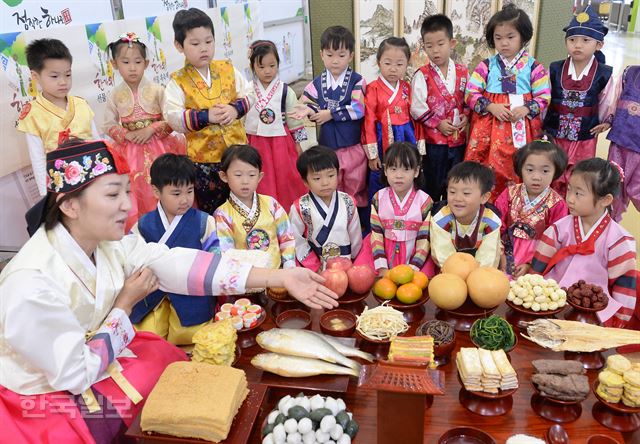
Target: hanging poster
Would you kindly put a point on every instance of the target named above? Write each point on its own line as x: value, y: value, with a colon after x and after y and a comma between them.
x: 413, y: 14
x: 142, y: 8
x: 30, y: 15
x: 374, y: 22
x: 469, y: 19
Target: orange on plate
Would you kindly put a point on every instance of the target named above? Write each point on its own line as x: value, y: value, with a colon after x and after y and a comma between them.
x: 401, y: 274
x: 385, y: 288
x: 409, y: 293
x: 420, y: 279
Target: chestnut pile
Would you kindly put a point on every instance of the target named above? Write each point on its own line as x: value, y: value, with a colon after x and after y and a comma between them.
x: 587, y: 295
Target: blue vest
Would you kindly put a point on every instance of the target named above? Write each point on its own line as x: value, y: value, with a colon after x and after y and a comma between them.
x: 573, y: 110
x: 625, y: 127
x: 191, y: 310
x: 338, y: 133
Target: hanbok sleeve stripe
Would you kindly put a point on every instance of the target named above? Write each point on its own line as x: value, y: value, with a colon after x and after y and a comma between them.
x: 100, y: 345
x: 201, y: 273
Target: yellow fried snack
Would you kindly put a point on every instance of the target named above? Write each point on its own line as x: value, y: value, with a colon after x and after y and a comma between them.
x: 618, y: 364
x: 610, y: 379
x: 606, y: 396
x: 632, y: 378
x: 215, y: 343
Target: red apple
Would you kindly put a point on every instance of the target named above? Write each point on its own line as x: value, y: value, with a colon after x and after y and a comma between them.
x: 361, y: 278
x: 336, y: 281
x: 340, y: 263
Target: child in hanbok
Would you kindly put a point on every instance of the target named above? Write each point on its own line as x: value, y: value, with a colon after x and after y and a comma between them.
x: 335, y: 101
x: 582, y: 93
x: 248, y: 220
x: 175, y: 223
x: 438, y: 105
x: 325, y: 221
x: 387, y: 104
x: 465, y: 222
x: 625, y: 140
x: 54, y: 116
x: 133, y: 119
x: 528, y: 208
x: 588, y: 244
x: 507, y: 94
x: 274, y: 133
x: 399, y: 215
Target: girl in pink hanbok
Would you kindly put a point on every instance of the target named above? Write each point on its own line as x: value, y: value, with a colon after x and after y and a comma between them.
x: 589, y: 245
x: 528, y: 208
x: 399, y: 215
x: 133, y: 119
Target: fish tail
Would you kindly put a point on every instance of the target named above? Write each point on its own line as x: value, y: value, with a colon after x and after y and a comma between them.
x: 366, y: 356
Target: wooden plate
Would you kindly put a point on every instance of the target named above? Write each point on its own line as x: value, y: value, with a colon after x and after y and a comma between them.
x: 240, y: 429
x: 529, y: 312
x: 351, y: 298
x: 465, y: 435
x: 617, y: 406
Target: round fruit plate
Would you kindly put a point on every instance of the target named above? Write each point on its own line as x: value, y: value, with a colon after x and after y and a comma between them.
x: 413, y: 311
x: 486, y: 404
x: 518, y: 314
x: 463, y: 317
x: 616, y: 416
x: 350, y: 297
x: 556, y: 410
x: 583, y: 314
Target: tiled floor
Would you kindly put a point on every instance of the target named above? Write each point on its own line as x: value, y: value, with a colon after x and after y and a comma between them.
x: 622, y: 49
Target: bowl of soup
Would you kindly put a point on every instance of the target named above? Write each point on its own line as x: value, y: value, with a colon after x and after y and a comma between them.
x: 295, y: 318
x: 338, y: 323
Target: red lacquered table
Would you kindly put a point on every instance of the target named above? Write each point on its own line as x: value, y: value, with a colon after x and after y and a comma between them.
x: 446, y: 412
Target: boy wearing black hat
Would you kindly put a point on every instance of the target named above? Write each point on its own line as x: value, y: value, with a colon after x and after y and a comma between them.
x: 582, y: 93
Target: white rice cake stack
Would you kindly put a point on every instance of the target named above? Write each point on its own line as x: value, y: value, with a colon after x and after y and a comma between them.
x: 469, y: 368
x: 509, y: 378
x: 490, y: 374
x: 195, y: 400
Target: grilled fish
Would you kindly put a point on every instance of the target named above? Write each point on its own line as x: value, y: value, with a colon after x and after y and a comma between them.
x: 298, y: 367
x: 303, y: 343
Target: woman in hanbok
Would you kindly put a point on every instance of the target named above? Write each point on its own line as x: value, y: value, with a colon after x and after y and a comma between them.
x: 72, y: 368
x: 133, y: 119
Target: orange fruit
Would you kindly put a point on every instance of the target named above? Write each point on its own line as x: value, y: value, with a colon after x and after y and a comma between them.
x: 420, y: 279
x: 408, y: 293
x: 401, y: 274
x: 385, y: 288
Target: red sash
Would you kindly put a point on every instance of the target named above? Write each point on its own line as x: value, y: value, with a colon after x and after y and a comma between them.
x: 581, y: 247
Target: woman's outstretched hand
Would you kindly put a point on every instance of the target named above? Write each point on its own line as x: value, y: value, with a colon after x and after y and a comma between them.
x: 306, y: 286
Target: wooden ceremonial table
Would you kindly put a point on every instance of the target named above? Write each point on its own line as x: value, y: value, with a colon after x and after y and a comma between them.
x: 446, y: 412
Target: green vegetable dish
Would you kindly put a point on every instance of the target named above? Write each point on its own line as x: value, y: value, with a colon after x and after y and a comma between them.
x: 492, y: 333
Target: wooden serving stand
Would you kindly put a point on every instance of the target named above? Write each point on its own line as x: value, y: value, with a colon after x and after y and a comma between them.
x: 405, y: 390
x: 463, y: 317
